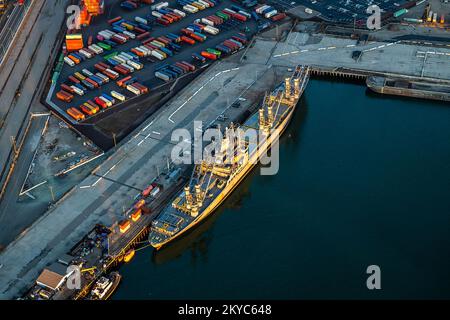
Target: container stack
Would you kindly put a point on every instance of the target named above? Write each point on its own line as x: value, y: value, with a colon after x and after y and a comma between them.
x: 94, y: 7
x: 74, y: 42
x: 85, y: 17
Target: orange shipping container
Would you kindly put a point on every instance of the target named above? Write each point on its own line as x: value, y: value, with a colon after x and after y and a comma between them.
x: 136, y: 215
x: 124, y: 226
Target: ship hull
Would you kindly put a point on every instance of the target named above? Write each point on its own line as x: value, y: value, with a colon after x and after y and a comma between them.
x: 253, y: 160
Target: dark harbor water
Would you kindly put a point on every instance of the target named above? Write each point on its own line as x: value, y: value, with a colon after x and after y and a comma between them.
x: 363, y: 180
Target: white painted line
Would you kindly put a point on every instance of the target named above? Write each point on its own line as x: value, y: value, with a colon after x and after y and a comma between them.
x: 277, y: 55
x: 349, y: 45
x: 296, y: 51
x: 322, y: 49
x: 156, y: 132
x: 304, y: 50
x: 330, y: 48
x: 147, y: 126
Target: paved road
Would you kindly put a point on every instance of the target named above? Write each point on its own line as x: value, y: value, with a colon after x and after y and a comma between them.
x: 22, y: 72
x: 11, y: 25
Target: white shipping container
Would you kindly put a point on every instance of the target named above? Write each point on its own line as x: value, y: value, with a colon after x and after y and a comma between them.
x: 112, y: 72
x: 160, y: 5
x: 270, y: 14
x: 69, y: 61
x: 181, y: 13
x: 190, y: 8
x: 136, y: 65
x: 87, y: 72
x: 211, y: 30
x: 77, y: 90
x: 133, y: 89
x: 157, y: 55
x: 261, y: 9
x: 162, y: 76
x: 208, y: 22
x: 124, y: 54
x: 102, y: 76
x: 127, y: 67
x: 105, y: 35
x: 203, y: 3
x: 119, y: 59
x: 155, y: 191
x: 85, y: 54
x: 123, y: 57
x: 109, y: 32
x: 245, y: 14
x: 141, y: 20
x: 229, y: 10
x: 95, y: 49
x: 118, y: 95
x: 130, y: 34
x: 156, y: 14
x: 108, y: 103
x: 146, y: 51
x: 202, y: 7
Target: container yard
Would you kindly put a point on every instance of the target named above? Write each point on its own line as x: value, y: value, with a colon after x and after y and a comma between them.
x: 136, y: 52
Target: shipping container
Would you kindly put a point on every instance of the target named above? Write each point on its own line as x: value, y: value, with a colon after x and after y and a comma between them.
x: 64, y: 96
x: 118, y: 96
x: 88, y: 84
x: 208, y: 55
x: 100, y: 102
x: 134, y: 90
x: 73, y: 79
x: 162, y: 75
x: 77, y: 90
x: 107, y: 96
x: 67, y: 88
x: 198, y: 57
x: 75, y: 114
x: 188, y: 40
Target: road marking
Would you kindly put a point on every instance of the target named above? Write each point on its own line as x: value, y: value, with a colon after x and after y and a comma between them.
x: 195, y: 93
x: 330, y: 48
x: 147, y: 126
x: 349, y: 45
x: 322, y: 49
x: 156, y: 132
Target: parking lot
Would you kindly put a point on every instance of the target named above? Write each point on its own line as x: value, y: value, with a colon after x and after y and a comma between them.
x: 347, y: 11
x: 146, y: 75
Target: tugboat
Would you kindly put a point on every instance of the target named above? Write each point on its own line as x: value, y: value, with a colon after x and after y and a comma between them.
x: 105, y: 287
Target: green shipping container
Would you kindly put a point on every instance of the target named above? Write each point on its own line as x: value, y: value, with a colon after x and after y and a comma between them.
x: 400, y: 12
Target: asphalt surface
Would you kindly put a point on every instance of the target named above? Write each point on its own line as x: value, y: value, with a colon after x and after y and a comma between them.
x: 9, y: 26
x: 22, y: 72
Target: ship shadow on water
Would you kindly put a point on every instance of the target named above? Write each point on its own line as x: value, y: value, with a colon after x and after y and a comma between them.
x: 198, y: 239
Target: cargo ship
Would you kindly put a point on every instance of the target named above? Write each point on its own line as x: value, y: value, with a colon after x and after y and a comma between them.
x: 216, y: 176
x: 105, y: 286
x: 420, y: 88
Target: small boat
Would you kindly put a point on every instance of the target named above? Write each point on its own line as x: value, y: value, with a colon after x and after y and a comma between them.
x: 129, y: 255
x: 105, y: 286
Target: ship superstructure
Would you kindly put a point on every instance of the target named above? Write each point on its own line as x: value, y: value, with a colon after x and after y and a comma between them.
x: 229, y: 160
